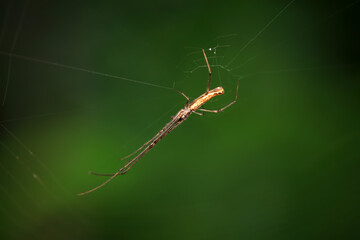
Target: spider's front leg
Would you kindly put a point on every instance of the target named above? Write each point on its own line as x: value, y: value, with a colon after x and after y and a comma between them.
x: 209, y: 69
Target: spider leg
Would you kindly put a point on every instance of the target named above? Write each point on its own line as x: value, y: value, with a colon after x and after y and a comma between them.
x: 200, y: 114
x: 187, y: 98
x: 101, y: 174
x: 208, y: 66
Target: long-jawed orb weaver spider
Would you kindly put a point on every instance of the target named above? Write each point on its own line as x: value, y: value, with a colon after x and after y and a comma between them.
x: 182, y: 115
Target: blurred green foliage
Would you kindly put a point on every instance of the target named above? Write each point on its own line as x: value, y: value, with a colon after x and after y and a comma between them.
x: 283, y: 163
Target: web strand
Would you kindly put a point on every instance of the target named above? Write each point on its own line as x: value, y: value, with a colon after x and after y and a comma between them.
x: 258, y: 34
x: 4, y: 25
x: 83, y: 70
x: 286, y: 40
x: 17, y: 33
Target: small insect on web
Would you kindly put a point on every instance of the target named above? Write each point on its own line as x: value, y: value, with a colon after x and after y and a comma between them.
x: 182, y: 115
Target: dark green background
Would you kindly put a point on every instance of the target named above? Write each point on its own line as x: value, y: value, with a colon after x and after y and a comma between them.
x: 283, y: 163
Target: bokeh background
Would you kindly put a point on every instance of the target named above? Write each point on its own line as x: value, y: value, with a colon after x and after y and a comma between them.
x: 283, y: 163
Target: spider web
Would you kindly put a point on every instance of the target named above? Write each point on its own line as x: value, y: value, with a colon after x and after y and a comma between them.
x: 57, y: 123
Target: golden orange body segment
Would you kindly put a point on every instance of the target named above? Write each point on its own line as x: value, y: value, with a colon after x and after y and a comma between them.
x: 198, y: 102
